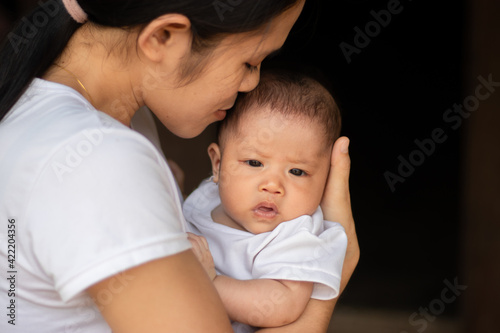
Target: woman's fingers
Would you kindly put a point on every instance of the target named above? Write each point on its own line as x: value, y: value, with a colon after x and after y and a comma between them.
x: 336, y: 203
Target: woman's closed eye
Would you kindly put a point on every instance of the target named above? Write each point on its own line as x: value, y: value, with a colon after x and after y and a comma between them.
x: 252, y: 68
x: 297, y: 172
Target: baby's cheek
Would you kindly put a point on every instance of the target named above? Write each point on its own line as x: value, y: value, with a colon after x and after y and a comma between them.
x: 305, y: 203
x: 313, y: 199
x: 230, y: 174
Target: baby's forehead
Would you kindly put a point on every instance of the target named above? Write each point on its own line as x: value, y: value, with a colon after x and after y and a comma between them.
x: 260, y: 123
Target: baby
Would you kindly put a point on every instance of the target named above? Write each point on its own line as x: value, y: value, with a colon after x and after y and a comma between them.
x: 260, y: 213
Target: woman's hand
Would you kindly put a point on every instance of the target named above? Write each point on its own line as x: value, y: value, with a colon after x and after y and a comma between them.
x: 336, y: 206
x: 202, y: 252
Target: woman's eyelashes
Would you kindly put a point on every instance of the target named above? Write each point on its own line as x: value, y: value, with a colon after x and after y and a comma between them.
x: 252, y: 68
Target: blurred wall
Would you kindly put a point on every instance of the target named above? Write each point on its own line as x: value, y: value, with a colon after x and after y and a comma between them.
x: 481, y: 173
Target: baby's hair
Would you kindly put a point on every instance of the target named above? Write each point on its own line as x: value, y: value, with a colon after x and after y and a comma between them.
x: 290, y: 94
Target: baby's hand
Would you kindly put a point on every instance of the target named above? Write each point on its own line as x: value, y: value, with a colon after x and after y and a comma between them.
x: 202, y: 252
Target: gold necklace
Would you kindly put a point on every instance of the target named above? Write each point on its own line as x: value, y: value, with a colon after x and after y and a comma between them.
x: 79, y: 82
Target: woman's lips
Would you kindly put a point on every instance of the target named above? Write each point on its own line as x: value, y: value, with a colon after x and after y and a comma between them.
x: 266, y: 210
x: 220, y: 114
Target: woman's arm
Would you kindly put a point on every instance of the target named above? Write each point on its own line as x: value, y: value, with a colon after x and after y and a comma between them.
x: 171, y: 294
x: 336, y: 207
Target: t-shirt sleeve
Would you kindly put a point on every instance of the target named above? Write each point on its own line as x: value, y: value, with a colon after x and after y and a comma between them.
x: 295, y: 253
x: 105, y: 202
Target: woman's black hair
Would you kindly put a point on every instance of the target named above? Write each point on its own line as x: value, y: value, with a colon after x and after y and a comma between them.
x: 40, y: 38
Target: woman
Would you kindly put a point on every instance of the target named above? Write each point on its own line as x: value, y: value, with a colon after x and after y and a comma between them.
x: 90, y: 206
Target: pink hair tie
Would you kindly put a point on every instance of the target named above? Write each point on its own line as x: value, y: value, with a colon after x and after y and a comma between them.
x: 75, y: 11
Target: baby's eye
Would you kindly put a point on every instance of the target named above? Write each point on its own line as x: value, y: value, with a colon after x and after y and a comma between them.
x: 297, y: 172
x: 254, y: 163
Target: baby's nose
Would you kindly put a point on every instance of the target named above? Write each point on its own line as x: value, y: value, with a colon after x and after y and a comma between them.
x: 272, y: 186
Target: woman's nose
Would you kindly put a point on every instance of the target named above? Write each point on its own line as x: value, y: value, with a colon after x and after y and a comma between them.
x: 250, y: 81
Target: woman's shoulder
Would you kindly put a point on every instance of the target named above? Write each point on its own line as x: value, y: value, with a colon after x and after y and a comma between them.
x: 54, y: 128
x: 55, y: 115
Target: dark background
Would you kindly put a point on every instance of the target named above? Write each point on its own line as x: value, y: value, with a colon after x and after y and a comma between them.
x: 395, y: 91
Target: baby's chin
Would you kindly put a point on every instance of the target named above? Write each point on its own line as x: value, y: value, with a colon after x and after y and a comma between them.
x: 256, y: 225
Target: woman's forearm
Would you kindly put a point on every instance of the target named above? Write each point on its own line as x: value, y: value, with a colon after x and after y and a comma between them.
x: 170, y: 294
x: 351, y: 256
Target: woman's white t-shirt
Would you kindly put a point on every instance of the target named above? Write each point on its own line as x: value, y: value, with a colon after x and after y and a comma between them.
x: 82, y: 198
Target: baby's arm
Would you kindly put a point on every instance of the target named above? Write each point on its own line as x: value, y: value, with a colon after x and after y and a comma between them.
x: 263, y: 302
x: 259, y: 302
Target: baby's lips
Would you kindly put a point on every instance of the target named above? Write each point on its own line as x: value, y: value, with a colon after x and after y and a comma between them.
x: 267, y: 207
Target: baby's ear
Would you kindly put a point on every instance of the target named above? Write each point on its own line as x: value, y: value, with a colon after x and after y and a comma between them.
x: 215, y: 157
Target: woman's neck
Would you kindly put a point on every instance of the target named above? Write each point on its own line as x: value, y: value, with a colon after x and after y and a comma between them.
x: 95, y: 68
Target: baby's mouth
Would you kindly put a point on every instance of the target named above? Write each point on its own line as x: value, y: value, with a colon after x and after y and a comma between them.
x: 266, y: 210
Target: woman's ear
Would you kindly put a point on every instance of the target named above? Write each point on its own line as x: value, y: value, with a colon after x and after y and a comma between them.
x: 166, y: 37
x: 215, y: 157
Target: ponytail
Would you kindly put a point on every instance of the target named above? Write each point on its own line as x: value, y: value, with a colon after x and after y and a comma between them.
x: 31, y: 48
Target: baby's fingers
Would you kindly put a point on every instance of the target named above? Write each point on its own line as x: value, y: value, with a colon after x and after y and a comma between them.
x: 197, y: 244
x: 202, y: 253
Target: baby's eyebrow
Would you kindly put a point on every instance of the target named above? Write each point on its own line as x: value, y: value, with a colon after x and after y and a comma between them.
x: 303, y: 162
x: 298, y: 160
x: 252, y: 149
x: 260, y: 154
